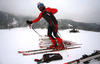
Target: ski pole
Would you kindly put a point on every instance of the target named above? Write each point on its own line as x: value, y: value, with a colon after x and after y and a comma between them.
x: 36, y: 31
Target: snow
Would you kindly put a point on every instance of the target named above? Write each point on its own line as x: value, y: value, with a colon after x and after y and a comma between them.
x: 17, y: 39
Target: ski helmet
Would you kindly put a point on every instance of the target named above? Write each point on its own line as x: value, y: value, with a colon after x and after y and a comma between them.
x: 40, y: 4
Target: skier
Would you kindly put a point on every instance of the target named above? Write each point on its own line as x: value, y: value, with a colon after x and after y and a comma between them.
x: 48, y: 15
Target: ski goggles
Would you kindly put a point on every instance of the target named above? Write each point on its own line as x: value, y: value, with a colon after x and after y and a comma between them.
x: 40, y: 5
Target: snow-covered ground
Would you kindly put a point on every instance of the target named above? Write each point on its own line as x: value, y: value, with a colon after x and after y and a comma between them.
x: 17, y: 39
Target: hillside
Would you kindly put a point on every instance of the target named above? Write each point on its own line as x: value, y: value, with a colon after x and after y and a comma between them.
x: 12, y: 21
x: 8, y: 21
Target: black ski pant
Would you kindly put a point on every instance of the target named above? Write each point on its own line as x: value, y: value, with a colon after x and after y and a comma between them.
x: 52, y: 31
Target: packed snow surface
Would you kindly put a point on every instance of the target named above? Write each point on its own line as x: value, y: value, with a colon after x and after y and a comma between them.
x: 13, y: 40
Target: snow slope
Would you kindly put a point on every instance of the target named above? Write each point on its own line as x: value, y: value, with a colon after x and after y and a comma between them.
x: 26, y: 39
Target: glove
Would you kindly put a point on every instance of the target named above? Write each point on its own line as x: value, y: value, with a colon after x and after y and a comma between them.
x: 28, y: 22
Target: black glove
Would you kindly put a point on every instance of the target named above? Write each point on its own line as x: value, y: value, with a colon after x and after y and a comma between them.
x: 28, y: 22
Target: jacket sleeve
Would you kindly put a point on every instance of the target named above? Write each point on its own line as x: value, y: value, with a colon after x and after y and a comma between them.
x: 53, y: 10
x: 38, y: 18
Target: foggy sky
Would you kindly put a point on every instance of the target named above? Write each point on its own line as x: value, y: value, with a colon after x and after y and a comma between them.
x: 77, y: 10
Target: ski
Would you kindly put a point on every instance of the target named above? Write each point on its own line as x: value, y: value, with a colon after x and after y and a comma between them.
x: 33, y: 50
x: 86, y: 58
x: 45, y: 46
x: 50, y: 50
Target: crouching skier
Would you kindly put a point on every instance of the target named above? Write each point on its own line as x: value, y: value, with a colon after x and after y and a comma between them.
x: 47, y: 14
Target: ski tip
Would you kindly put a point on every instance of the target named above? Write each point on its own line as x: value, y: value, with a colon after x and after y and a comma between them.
x: 20, y: 52
x: 26, y: 54
x: 78, y: 47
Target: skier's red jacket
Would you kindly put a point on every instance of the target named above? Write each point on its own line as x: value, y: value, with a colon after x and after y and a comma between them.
x: 51, y: 10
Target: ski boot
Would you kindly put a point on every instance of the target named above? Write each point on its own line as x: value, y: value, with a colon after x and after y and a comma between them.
x: 60, y: 44
x: 60, y: 47
x: 53, y: 46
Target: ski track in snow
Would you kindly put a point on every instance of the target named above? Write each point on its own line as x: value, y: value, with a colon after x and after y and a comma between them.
x: 17, y: 39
